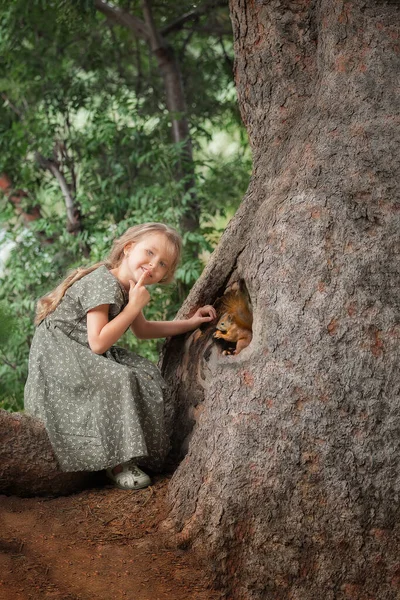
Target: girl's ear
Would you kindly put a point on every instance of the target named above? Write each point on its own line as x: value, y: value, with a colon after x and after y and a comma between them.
x: 127, y: 248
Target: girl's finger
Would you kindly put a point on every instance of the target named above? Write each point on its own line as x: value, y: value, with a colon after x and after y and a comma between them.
x: 142, y: 278
x: 211, y: 312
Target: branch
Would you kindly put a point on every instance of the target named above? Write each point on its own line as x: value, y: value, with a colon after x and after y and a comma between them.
x: 192, y: 15
x: 12, y: 106
x: 228, y: 59
x: 68, y: 159
x: 7, y: 362
x: 122, y: 17
x: 72, y: 211
x: 72, y: 216
x: 138, y: 83
x: 155, y: 38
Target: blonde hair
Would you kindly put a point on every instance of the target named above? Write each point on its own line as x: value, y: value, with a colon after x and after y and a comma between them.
x: 49, y: 303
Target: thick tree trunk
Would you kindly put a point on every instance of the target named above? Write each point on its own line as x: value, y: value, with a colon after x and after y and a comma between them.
x: 292, y: 470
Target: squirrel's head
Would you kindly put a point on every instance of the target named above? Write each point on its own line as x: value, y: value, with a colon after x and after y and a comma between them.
x: 225, y: 323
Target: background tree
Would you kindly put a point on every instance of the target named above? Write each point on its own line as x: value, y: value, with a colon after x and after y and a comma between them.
x: 86, y: 134
x: 291, y: 474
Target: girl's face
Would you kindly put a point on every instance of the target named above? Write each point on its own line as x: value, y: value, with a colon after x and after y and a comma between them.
x: 151, y: 254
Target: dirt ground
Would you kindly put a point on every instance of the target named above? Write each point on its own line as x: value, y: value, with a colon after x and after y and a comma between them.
x: 100, y: 544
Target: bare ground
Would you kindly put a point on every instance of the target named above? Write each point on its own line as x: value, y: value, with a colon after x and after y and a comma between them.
x: 100, y: 544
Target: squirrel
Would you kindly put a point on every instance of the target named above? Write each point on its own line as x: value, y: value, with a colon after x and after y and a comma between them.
x: 235, y: 323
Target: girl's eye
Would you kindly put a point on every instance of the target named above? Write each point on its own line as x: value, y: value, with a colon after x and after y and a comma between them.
x: 163, y: 264
x: 149, y: 252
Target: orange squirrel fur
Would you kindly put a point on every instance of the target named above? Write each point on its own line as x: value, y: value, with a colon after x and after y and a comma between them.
x: 235, y: 323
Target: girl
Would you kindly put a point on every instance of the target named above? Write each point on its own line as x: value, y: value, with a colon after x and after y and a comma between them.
x: 102, y: 405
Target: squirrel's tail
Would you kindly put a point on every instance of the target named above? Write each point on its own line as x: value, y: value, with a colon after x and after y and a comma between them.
x: 238, y: 306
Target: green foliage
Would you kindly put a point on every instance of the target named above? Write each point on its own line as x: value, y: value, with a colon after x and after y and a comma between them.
x: 89, y: 97
x: 14, y: 340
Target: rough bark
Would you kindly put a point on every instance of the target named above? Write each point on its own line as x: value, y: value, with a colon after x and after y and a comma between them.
x: 28, y: 466
x: 291, y: 475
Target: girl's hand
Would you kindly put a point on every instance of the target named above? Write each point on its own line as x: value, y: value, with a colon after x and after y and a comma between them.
x: 205, y: 314
x: 138, y: 294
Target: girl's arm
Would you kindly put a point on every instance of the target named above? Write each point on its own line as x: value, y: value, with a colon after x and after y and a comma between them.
x: 102, y: 333
x: 145, y: 330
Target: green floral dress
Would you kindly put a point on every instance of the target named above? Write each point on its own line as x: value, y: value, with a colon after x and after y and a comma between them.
x: 98, y: 410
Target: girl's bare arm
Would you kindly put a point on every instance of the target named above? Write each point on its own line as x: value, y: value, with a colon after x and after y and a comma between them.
x: 102, y: 333
x: 145, y: 330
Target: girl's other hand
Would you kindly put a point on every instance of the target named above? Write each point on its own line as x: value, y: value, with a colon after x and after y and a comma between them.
x: 205, y: 314
x: 138, y: 294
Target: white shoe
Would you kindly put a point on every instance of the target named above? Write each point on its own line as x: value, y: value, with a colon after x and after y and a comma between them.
x: 130, y: 478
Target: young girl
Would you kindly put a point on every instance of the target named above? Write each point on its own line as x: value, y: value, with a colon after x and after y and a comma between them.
x: 102, y: 405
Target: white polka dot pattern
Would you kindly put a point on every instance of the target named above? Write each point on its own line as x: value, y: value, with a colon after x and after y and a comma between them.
x: 99, y: 410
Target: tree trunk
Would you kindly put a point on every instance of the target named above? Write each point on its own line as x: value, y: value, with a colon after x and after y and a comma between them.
x: 28, y: 466
x: 171, y: 74
x: 176, y: 104
x: 292, y: 470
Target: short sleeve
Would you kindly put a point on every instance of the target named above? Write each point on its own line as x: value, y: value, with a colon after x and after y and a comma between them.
x: 98, y: 287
